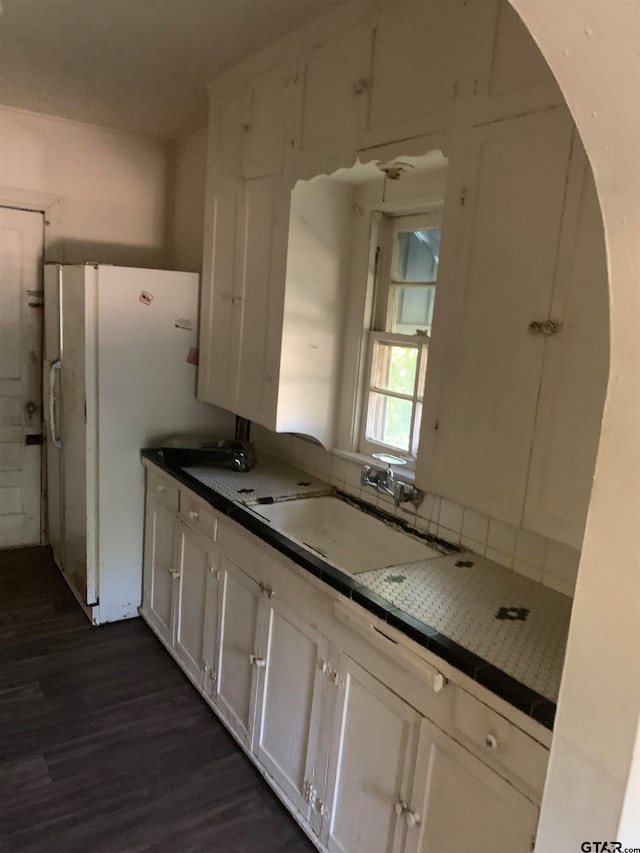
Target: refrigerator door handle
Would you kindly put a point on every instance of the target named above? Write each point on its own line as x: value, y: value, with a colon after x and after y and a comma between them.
x: 56, y: 367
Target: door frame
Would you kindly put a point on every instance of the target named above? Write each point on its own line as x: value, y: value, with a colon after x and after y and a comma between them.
x: 27, y: 203
x: 51, y: 207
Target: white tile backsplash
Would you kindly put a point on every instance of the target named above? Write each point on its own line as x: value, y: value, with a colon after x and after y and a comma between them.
x: 561, y: 562
x: 528, y: 554
x: 475, y: 526
x: 451, y: 516
x: 531, y: 549
x: 502, y: 537
x: 500, y: 557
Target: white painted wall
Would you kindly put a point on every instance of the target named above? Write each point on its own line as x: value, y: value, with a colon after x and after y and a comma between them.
x: 187, y: 223
x: 592, y: 787
x: 105, y: 191
x: 320, y: 234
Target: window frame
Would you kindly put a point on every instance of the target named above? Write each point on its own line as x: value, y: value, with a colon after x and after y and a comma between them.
x: 385, y: 245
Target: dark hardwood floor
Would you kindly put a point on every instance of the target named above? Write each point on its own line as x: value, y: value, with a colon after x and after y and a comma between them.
x: 105, y: 745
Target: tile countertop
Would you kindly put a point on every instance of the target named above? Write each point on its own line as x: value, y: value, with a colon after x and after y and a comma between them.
x: 503, y: 630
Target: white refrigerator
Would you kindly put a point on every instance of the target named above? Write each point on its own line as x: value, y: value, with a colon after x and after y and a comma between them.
x: 119, y: 375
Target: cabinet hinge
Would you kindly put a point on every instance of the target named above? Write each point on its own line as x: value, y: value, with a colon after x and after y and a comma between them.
x: 463, y: 196
x: 211, y: 674
x: 308, y: 792
x: 265, y: 589
x: 330, y: 672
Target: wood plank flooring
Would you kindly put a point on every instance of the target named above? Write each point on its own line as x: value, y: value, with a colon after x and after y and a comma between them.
x: 105, y: 747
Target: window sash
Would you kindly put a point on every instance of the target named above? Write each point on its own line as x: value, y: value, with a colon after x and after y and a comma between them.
x: 420, y: 343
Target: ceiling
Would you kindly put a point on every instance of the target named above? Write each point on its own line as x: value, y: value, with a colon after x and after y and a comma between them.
x: 137, y: 65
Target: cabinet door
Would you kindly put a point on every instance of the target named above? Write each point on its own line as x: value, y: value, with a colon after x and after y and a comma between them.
x: 196, y: 571
x: 574, y: 378
x: 290, y: 704
x: 373, y: 751
x: 479, y: 413
x: 254, y: 388
x: 218, y: 302
x: 414, y: 67
x: 240, y: 662
x: 264, y: 123
x: 334, y: 82
x: 159, y: 567
x: 460, y: 805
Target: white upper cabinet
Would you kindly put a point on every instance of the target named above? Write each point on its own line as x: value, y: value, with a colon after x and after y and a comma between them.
x: 253, y: 386
x: 513, y: 76
x: 333, y: 83
x: 219, y: 296
x: 239, y: 298
x: 510, y: 420
x: 574, y: 374
x: 265, y: 116
x: 480, y: 410
x: 414, y: 69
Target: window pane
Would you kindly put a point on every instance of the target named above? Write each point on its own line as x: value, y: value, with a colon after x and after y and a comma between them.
x: 412, y: 308
x: 389, y: 420
x: 394, y: 367
x: 417, y: 255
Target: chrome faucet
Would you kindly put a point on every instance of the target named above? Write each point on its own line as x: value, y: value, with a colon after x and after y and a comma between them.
x: 383, y: 480
x: 380, y: 479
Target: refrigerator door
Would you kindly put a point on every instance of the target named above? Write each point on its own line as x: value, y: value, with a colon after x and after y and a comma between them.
x: 147, y: 333
x: 52, y: 410
x: 79, y: 435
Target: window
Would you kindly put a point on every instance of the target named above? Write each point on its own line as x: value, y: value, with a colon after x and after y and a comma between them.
x: 407, y: 257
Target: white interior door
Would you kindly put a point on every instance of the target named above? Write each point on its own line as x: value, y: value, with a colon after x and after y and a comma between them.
x: 21, y: 242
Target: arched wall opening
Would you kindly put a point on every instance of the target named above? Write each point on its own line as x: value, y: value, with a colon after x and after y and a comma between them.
x: 592, y: 783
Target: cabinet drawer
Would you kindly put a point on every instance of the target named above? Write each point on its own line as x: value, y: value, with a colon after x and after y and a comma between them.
x: 499, y: 742
x: 198, y: 514
x: 163, y: 488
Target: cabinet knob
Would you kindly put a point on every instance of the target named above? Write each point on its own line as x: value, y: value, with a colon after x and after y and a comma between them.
x: 491, y: 741
x: 411, y: 819
x: 193, y: 513
x: 174, y: 573
x: 403, y: 810
x: 259, y: 663
x: 160, y: 487
x: 360, y: 86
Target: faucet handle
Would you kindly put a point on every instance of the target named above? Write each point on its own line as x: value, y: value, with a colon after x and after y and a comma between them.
x: 366, y: 477
x: 407, y: 493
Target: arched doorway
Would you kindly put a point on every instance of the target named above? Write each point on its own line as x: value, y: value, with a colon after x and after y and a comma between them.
x: 592, y: 783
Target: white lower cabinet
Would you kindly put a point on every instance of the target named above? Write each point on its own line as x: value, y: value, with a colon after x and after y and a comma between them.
x: 159, y: 567
x: 361, y: 767
x: 179, y: 596
x: 374, y: 745
x: 293, y: 710
x: 240, y: 661
x: 399, y: 783
x: 196, y: 595
x: 462, y: 806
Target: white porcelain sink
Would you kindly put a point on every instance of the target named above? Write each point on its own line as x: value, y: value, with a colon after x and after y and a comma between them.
x: 344, y: 535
